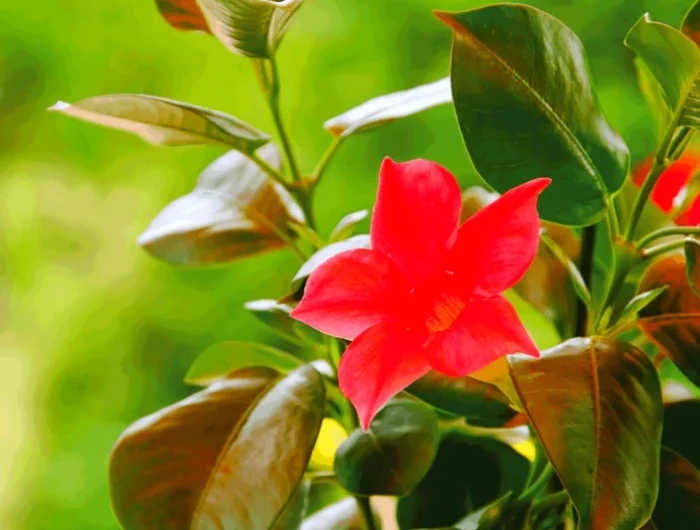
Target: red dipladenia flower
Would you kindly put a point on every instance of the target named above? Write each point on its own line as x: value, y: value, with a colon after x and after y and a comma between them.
x: 669, y: 190
x: 428, y: 293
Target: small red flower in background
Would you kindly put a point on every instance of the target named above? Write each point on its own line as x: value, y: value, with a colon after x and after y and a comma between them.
x: 428, y: 293
x: 669, y: 190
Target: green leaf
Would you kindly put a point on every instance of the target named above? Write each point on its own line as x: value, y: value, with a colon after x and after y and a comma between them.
x: 526, y: 108
x: 275, y: 315
x: 164, y: 121
x: 183, y: 14
x: 394, y: 455
x: 468, y: 473
x: 486, y: 517
x: 596, y: 406
x: 639, y: 302
x: 692, y: 267
x: 680, y: 417
x: 538, y: 325
x: 234, y: 212
x: 293, y: 515
x: 678, y: 504
x: 231, y: 456
x: 480, y: 403
x: 651, y: 90
x: 346, y: 225
x: 326, y: 253
x: 252, y: 28
x: 221, y: 359
x: 691, y: 23
x: 674, y: 60
x: 390, y: 107
x: 343, y: 515
x: 672, y: 320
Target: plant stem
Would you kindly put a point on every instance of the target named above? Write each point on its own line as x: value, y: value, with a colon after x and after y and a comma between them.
x: 320, y: 168
x: 550, y: 501
x: 574, y: 274
x: 269, y: 170
x: 652, y: 252
x: 586, y: 268
x: 538, y: 485
x: 366, y: 512
x: 670, y: 231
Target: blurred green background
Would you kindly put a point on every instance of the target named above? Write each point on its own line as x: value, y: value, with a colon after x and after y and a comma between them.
x: 93, y: 332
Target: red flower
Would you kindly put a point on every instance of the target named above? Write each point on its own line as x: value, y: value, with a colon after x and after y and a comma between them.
x: 669, y: 190
x: 428, y: 293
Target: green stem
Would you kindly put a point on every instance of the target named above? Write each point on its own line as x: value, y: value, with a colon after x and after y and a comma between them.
x: 613, y: 221
x: 586, y: 275
x: 550, y: 501
x: 366, y: 512
x: 320, y: 168
x: 670, y: 231
x: 269, y: 170
x: 538, y: 485
x: 657, y: 168
x: 652, y: 252
x: 304, y: 199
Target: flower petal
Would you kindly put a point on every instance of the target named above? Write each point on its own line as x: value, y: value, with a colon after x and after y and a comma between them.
x: 351, y: 292
x: 381, y: 362
x: 496, y: 245
x: 485, y: 330
x: 416, y: 216
x: 671, y: 181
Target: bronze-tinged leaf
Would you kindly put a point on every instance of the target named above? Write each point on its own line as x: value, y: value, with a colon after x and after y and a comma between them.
x: 234, y: 212
x: 692, y: 263
x: 229, y: 457
x: 546, y: 285
x: 183, y: 14
x: 678, y: 504
x: 596, y: 406
x: 164, y: 121
x: 252, y: 28
x: 672, y: 320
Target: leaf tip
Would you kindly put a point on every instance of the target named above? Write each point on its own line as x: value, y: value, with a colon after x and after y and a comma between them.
x: 445, y: 17
x: 58, y: 106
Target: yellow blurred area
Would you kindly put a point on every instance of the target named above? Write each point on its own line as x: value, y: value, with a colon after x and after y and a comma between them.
x: 330, y: 437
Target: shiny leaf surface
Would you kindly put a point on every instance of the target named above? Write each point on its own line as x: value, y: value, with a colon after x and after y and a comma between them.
x: 672, y: 321
x: 164, y: 121
x: 234, y: 212
x: 394, y: 455
x: 252, y: 28
x: 390, y: 107
x: 183, y: 14
x: 515, y: 57
x: 596, y: 406
x: 221, y: 359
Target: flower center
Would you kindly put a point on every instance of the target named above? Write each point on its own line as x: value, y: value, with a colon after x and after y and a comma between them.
x: 435, y: 305
x: 444, y: 311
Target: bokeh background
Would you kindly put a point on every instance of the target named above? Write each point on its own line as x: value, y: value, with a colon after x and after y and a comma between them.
x: 94, y: 333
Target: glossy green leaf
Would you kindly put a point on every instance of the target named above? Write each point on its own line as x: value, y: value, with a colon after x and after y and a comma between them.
x: 221, y: 359
x: 538, y: 325
x: 343, y: 515
x: 654, y: 96
x: 164, y: 121
x: 394, y: 455
x: 692, y: 265
x: 680, y: 433
x: 326, y: 253
x: 678, y: 504
x: 390, y: 107
x: 469, y: 471
x: 596, y: 406
x: 183, y: 14
x: 293, y: 514
x: 347, y: 224
x: 674, y: 59
x: 691, y: 23
x: 231, y: 456
x: 252, y: 28
x: 672, y: 320
x: 234, y: 212
x: 639, y: 302
x: 526, y: 108
x: 480, y: 403
x: 273, y: 314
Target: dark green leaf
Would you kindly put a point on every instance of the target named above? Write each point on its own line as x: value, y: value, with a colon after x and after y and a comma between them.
x: 674, y: 59
x: 234, y: 212
x: 221, y: 359
x: 231, y: 456
x: 343, y: 515
x: 394, y: 455
x: 252, y: 28
x: 480, y: 403
x: 326, y: 253
x: 183, y: 14
x: 681, y: 429
x: 672, y: 320
x: 691, y: 23
x: 596, y: 406
x: 164, y: 121
x: 692, y: 265
x: 526, y: 108
x: 293, y: 515
x: 390, y: 107
x: 469, y: 472
x: 347, y: 224
x: 678, y: 504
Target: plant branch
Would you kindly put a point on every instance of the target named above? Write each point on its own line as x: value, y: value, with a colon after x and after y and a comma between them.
x: 366, y: 512
x: 586, y: 275
x: 538, y: 485
x: 670, y: 231
x: 652, y: 252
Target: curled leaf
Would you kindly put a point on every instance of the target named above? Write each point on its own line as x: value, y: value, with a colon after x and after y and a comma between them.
x: 183, y: 14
